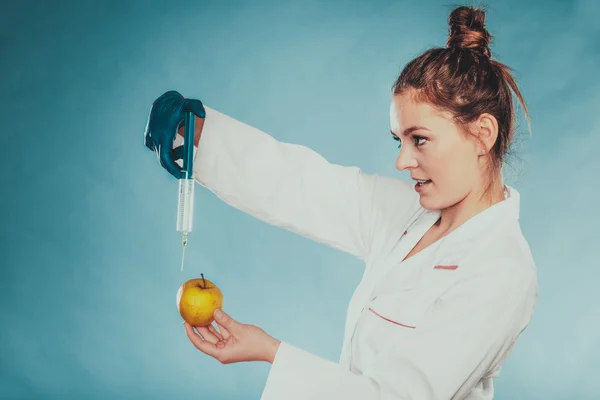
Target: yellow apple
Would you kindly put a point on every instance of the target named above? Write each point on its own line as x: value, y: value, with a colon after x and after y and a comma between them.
x: 197, y: 300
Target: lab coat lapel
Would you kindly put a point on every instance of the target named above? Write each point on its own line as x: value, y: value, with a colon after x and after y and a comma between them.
x: 397, y: 274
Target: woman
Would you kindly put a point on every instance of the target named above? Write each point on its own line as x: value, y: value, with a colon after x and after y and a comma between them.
x: 449, y: 281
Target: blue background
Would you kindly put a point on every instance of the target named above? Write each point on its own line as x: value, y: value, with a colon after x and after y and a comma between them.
x: 89, y: 253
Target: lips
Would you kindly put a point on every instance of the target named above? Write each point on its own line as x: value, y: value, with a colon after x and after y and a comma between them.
x: 422, y: 181
x: 421, y: 184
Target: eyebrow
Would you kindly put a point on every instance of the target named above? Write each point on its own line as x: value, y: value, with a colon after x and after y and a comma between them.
x: 408, y: 131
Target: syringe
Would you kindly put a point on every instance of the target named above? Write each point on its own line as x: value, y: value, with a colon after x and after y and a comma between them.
x: 185, y: 207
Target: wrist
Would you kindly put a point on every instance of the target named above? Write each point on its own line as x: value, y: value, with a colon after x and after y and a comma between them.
x: 198, y: 125
x: 272, y: 349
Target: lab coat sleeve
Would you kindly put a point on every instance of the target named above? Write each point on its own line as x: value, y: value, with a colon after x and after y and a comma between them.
x: 287, y: 185
x: 463, y: 334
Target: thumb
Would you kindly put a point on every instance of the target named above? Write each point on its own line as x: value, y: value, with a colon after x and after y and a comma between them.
x: 223, y: 319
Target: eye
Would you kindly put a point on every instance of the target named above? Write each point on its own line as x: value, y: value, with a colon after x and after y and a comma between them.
x: 419, y: 140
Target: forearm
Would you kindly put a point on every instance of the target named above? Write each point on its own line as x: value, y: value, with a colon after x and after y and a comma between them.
x: 284, y: 184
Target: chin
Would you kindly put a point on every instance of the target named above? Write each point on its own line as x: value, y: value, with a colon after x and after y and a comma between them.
x: 428, y: 204
x: 432, y: 203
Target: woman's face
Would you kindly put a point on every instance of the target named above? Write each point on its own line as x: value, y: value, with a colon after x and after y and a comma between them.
x: 433, y: 149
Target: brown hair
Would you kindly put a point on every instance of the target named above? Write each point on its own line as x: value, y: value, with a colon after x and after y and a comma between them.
x: 463, y: 79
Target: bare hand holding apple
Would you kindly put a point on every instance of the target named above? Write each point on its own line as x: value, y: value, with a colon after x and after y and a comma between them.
x: 198, y: 302
x: 235, y: 342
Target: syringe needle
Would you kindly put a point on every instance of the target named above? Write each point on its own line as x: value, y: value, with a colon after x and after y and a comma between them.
x: 183, y: 250
x: 182, y: 257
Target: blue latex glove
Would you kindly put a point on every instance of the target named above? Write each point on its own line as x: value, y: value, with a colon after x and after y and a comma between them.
x: 166, y: 115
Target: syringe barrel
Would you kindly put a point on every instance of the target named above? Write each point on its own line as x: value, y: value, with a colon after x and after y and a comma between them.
x: 185, y: 209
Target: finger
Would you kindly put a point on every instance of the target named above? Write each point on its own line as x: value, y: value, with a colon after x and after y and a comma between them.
x: 149, y: 144
x: 204, y: 346
x: 170, y: 94
x: 148, y: 132
x: 148, y: 139
x: 194, y: 106
x: 207, y: 334
x: 177, y: 153
x: 215, y: 332
x: 225, y: 320
x: 167, y: 162
x: 226, y: 334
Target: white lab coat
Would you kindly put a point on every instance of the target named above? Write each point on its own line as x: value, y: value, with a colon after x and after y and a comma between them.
x: 436, y: 326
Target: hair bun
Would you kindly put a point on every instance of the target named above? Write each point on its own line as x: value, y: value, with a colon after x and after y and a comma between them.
x: 467, y: 30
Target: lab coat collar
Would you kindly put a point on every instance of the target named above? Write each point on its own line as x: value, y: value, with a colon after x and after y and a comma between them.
x: 463, y: 239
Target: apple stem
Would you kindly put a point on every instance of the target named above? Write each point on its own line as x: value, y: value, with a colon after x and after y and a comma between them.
x: 203, y: 280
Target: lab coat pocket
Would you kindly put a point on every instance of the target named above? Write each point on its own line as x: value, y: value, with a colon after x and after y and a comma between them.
x: 390, y: 320
x: 384, y: 320
x: 400, y: 310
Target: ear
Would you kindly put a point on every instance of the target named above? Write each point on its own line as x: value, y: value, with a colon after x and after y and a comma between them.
x: 487, y: 132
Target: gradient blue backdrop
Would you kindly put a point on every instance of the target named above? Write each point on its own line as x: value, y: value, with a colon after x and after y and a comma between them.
x: 90, y: 255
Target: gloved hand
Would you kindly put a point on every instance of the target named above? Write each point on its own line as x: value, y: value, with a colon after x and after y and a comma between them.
x: 166, y: 115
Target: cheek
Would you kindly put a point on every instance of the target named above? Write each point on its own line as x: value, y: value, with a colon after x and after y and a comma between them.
x: 453, y: 172
x: 459, y: 172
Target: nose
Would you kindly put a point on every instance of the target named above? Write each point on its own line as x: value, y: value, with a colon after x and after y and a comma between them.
x: 406, y: 159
